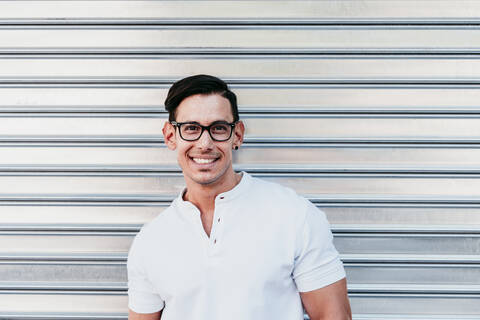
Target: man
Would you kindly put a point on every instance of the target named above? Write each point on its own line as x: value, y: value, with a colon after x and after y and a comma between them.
x: 230, y: 246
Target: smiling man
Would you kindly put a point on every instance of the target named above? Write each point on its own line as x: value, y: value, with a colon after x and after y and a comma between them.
x: 230, y: 246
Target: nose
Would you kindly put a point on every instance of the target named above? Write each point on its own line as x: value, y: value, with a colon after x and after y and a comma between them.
x: 205, y: 141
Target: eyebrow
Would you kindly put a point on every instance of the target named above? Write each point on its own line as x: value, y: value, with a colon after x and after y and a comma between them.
x: 192, y: 121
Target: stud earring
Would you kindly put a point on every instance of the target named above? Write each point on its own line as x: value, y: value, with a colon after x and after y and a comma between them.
x: 236, y: 147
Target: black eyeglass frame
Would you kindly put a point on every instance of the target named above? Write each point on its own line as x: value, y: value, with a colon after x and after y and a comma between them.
x: 179, y: 124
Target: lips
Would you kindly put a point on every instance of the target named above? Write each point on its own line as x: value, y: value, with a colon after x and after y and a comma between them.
x: 204, y: 159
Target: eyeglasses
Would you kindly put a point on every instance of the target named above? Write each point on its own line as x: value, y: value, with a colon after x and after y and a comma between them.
x: 192, y: 131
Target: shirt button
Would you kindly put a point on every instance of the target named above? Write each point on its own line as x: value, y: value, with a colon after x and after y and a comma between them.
x: 221, y: 198
x: 215, y: 241
x: 218, y: 220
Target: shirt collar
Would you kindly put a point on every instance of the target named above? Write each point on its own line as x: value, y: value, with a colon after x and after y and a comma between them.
x: 239, y: 189
x: 229, y: 195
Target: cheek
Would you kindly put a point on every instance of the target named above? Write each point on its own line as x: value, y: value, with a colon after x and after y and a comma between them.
x: 181, y: 152
x: 228, y: 152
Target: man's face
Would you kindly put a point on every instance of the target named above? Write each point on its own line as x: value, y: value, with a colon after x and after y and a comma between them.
x: 204, y: 161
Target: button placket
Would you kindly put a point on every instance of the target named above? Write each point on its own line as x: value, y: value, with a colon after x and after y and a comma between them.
x: 216, y: 226
x: 214, y: 234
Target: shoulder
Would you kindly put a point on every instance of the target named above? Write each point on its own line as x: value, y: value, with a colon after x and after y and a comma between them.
x: 265, y: 186
x: 276, y: 193
x: 282, y: 201
x: 156, y: 228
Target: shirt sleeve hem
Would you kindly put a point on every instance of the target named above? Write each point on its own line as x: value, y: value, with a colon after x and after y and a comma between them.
x: 145, y: 309
x: 310, y: 282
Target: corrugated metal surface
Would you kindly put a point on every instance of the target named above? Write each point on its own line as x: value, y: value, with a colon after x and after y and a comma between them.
x: 369, y: 108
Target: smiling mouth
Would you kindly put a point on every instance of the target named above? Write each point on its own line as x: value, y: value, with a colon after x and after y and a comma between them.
x: 203, y: 161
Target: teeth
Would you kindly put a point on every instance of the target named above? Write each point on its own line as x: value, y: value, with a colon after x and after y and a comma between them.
x: 203, y: 161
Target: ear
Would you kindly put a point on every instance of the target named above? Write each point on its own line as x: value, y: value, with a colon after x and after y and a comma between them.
x: 169, y: 135
x: 238, y: 134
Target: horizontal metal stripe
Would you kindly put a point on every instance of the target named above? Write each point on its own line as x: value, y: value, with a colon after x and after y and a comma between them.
x: 360, y: 98
x: 64, y: 263
x: 63, y: 276
x: 369, y: 218
x: 66, y: 303
x: 361, y: 277
x: 232, y: 11
x: 86, y: 98
x: 346, y: 258
x: 377, y: 187
x: 390, y: 244
x: 123, y: 187
x: 104, y: 157
x: 272, y: 98
x: 400, y: 316
x: 410, y: 258
x: 72, y: 286
x: 240, y: 69
x: 343, y: 218
x: 66, y: 244
x: 317, y: 187
x: 124, y: 316
x: 113, y: 217
x: 45, y: 302
x: 241, y: 40
x: 413, y: 277
x: 416, y: 305
x: 369, y: 288
x: 47, y: 126
x: 346, y: 228
x: 264, y: 128
x: 65, y: 316
x: 83, y: 257
x: 356, y: 158
x: 415, y: 288
x: 250, y: 157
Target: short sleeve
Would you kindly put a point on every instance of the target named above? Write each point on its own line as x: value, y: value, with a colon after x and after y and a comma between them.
x: 142, y: 297
x: 317, y: 263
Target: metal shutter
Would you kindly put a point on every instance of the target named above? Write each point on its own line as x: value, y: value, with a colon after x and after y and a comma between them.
x: 369, y: 108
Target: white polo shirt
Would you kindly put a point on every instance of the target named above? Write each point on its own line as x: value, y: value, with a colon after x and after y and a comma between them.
x: 266, y: 244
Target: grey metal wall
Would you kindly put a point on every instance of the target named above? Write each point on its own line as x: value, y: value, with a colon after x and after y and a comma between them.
x: 369, y: 108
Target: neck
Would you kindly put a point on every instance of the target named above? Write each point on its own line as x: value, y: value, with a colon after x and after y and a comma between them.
x: 203, y: 196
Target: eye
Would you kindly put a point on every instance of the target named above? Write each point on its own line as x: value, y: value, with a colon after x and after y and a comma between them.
x: 191, y: 128
x: 219, y: 128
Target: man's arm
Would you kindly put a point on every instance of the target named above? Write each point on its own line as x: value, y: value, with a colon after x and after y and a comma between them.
x: 144, y: 316
x: 328, y: 303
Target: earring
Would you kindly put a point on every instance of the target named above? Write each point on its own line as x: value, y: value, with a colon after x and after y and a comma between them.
x: 236, y: 147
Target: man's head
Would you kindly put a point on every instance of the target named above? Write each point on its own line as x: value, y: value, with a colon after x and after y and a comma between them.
x: 203, y: 128
x: 198, y: 84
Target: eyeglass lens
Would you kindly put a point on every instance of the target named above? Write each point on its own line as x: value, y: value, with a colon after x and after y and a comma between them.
x: 218, y: 131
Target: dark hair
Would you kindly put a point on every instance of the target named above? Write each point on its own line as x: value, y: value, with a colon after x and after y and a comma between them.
x: 198, y: 84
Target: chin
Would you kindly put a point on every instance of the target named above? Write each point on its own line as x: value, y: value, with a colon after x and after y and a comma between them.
x: 211, y: 174
x: 205, y: 179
